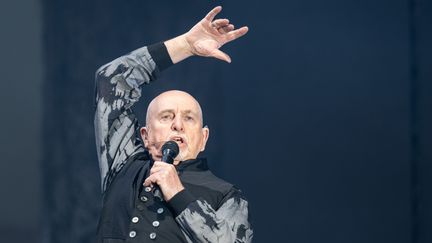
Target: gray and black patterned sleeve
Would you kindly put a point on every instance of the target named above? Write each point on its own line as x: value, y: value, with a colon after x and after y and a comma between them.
x: 200, y: 222
x: 118, y: 87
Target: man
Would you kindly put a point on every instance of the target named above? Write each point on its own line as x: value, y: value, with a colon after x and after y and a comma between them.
x: 145, y: 199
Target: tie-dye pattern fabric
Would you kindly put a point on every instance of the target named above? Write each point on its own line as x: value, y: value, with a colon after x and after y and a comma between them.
x: 201, y: 223
x: 118, y: 87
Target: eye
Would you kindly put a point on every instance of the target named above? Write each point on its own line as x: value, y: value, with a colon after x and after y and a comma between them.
x: 166, y: 117
x: 188, y: 118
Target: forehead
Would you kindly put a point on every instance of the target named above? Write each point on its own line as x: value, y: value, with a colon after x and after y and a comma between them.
x: 175, y: 101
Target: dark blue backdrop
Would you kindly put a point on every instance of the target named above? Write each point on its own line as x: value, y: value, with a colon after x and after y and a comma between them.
x: 323, y: 118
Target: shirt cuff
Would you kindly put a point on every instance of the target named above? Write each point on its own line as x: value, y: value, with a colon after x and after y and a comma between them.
x: 180, y: 201
x: 160, y: 55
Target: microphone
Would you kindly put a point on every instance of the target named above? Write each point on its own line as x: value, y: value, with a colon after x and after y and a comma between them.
x: 170, y: 150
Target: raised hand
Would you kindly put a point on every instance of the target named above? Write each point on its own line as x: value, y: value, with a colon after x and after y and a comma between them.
x: 208, y: 35
x: 205, y: 38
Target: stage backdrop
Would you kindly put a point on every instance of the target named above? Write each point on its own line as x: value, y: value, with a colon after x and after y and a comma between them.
x: 322, y: 119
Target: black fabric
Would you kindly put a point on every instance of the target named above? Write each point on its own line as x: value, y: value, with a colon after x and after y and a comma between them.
x: 127, y: 198
x: 119, y: 201
x: 180, y: 201
x: 199, y: 164
x: 160, y: 55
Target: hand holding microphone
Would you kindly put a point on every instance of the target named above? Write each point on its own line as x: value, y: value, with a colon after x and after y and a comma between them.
x: 164, y: 174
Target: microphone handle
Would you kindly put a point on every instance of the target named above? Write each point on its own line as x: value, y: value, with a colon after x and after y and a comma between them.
x: 167, y: 159
x: 167, y: 156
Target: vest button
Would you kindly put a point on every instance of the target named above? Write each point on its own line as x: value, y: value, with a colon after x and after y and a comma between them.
x: 152, y: 235
x: 160, y: 210
x: 155, y: 223
x: 135, y: 220
x: 148, y: 189
x: 132, y: 234
x: 143, y: 198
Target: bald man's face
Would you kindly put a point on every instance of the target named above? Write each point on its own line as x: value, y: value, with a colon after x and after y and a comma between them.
x: 176, y: 116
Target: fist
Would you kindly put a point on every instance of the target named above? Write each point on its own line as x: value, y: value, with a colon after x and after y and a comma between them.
x: 165, y: 176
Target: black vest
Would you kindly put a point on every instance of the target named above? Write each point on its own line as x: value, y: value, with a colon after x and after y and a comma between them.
x: 132, y: 213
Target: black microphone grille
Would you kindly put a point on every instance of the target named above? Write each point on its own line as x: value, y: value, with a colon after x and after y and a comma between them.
x: 172, y: 146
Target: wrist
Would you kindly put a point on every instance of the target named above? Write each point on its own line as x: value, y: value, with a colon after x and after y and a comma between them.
x: 173, y: 192
x: 179, y: 48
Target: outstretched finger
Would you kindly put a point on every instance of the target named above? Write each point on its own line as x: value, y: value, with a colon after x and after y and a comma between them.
x: 232, y: 35
x: 210, y: 16
x: 221, y: 55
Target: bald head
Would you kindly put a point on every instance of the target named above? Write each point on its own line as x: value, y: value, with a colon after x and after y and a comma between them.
x: 175, y: 115
x: 172, y: 99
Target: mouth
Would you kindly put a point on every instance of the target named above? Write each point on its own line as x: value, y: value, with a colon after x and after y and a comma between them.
x: 179, y: 140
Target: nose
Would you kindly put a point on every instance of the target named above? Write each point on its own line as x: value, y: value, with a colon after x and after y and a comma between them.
x: 177, y: 124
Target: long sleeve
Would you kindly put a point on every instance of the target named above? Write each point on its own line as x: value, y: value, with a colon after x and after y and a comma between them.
x: 118, y: 87
x: 202, y: 223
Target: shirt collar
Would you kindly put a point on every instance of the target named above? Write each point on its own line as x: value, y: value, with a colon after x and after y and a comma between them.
x: 198, y: 164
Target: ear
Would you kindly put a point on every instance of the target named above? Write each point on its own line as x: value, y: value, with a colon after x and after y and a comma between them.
x: 205, y: 134
x: 144, y: 136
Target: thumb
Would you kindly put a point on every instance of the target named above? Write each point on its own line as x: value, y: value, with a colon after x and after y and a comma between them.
x: 221, y: 55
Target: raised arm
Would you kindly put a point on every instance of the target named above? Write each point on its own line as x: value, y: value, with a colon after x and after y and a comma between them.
x: 118, y: 87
